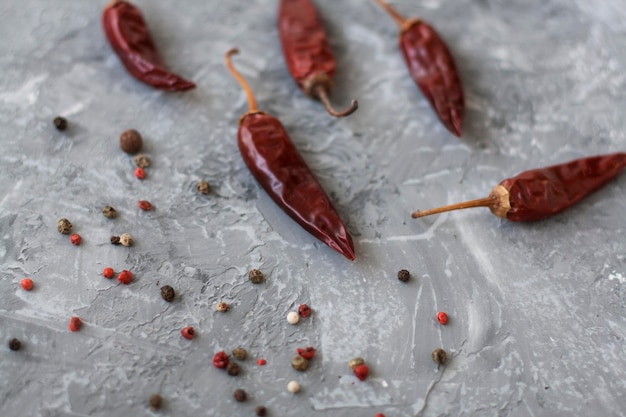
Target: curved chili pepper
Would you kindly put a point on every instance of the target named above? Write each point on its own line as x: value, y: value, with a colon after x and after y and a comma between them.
x: 130, y: 38
x: 432, y: 67
x: 307, y: 51
x: 539, y: 193
x: 277, y: 165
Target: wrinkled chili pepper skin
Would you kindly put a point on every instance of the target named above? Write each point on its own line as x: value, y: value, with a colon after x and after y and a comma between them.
x: 277, y: 165
x: 433, y: 69
x: 305, y: 44
x: 128, y: 34
x: 539, y: 193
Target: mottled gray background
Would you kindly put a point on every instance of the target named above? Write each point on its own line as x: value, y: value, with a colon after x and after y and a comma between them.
x: 537, y: 310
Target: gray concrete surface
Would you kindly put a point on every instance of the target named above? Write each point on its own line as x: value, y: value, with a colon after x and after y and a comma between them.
x: 537, y: 310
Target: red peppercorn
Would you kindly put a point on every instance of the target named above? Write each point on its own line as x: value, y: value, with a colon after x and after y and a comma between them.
x: 108, y: 273
x: 304, y: 310
x: 307, y: 353
x: 27, y: 284
x: 75, y: 324
x: 188, y: 332
x: 76, y: 239
x: 380, y: 415
x: 140, y: 173
x: 145, y: 205
x: 442, y: 317
x: 125, y: 277
x: 361, y: 372
x: 220, y: 360
x: 261, y: 362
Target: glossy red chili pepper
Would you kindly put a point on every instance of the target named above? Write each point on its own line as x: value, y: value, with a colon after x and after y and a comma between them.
x: 539, y: 193
x: 432, y: 67
x: 130, y: 38
x: 277, y: 165
x: 307, y: 51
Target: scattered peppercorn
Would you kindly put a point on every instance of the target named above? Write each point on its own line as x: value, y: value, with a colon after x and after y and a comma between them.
x: 125, y: 277
x: 64, y: 226
x: 440, y: 356
x: 60, y: 123
x: 126, y: 239
x: 240, y: 353
x: 299, y: 363
x: 362, y: 372
x: 222, y: 307
x: 261, y: 362
x: 131, y: 141
x: 307, y: 353
x: 142, y: 161
x: 442, y: 317
x: 233, y: 368
x: 27, y: 284
x: 204, y: 187
x: 261, y: 411
x: 15, y: 344
x: 140, y: 173
x: 404, y: 275
x: 145, y: 205
x: 220, y: 360
x: 156, y: 402
x: 168, y: 293
x: 304, y: 310
x: 108, y: 273
x: 75, y: 324
x: 293, y: 317
x: 115, y: 240
x: 293, y: 387
x: 240, y: 395
x: 256, y: 276
x: 76, y: 239
x: 188, y: 332
x: 355, y: 362
x: 379, y: 415
x: 109, y: 212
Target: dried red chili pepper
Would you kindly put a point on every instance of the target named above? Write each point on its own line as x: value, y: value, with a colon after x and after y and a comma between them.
x: 539, y: 193
x: 277, y: 165
x: 307, y: 51
x: 128, y: 34
x: 432, y: 67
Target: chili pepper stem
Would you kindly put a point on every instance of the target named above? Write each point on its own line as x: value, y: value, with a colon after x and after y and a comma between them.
x: 321, y: 93
x: 252, y: 104
x: 481, y: 202
x: 400, y: 20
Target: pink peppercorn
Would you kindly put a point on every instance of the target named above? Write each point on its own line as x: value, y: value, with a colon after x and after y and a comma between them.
x: 145, y: 205
x: 188, y: 332
x: 304, y: 310
x: 220, y: 360
x: 442, y: 317
x: 75, y: 324
x: 108, y: 273
x: 261, y: 362
x: 140, y: 173
x: 27, y: 284
x: 362, y: 372
x: 307, y: 353
x: 125, y: 277
x: 380, y: 415
x: 76, y: 239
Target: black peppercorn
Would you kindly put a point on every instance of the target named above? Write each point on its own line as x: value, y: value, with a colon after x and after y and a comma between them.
x: 240, y: 353
x: 240, y: 395
x: 440, y: 356
x: 255, y: 276
x: 299, y: 363
x: 404, y: 275
x: 15, y: 344
x: 64, y: 226
x: 60, y: 123
x: 156, y: 402
x: 168, y: 293
x: 233, y: 368
x: 261, y: 411
x: 142, y: 161
x: 131, y: 141
x: 109, y: 212
x: 115, y: 240
x: 204, y: 187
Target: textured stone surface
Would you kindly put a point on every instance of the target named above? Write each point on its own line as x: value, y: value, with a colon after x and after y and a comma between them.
x: 537, y: 311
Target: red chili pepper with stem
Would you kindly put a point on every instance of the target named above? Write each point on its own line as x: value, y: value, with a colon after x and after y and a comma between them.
x: 130, y: 38
x: 307, y: 51
x: 539, y: 193
x: 432, y: 67
x: 277, y: 165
